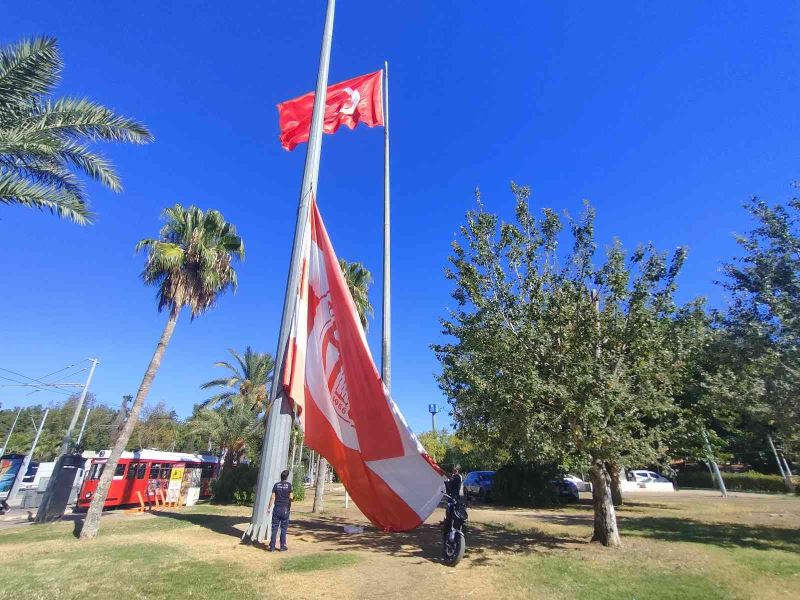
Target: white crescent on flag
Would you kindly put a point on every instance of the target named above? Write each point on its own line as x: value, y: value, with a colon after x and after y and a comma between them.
x: 344, y: 409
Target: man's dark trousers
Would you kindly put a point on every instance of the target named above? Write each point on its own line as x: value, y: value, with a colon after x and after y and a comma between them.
x: 280, y: 518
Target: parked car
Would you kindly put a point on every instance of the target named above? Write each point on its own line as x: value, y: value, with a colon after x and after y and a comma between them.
x: 478, y: 484
x: 583, y: 486
x: 645, y: 476
x: 567, y: 489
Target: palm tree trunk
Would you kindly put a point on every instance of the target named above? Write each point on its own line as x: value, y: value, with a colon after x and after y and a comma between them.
x: 92, y: 521
x: 319, y: 492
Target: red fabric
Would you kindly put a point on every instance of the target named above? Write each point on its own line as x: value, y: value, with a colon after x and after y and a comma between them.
x: 340, y: 109
x: 346, y: 413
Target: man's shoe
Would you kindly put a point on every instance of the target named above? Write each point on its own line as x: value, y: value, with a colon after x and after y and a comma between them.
x: 271, y: 549
x: 284, y: 548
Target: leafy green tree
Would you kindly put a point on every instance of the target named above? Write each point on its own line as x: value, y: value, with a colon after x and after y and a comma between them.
x: 358, y: 280
x: 159, y: 427
x: 45, y: 141
x: 555, y: 359
x: 248, y: 378
x: 191, y: 264
x: 759, y: 334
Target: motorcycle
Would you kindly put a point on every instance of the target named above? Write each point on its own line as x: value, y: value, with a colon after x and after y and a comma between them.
x: 453, y: 542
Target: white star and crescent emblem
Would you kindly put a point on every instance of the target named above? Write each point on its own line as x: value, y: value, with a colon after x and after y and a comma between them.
x: 355, y: 98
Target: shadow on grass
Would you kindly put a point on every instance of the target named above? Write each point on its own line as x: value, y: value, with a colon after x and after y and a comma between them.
x: 724, y: 535
x: 423, y: 543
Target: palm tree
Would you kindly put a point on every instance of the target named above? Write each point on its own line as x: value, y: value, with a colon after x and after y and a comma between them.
x: 358, y: 280
x: 191, y: 263
x: 233, y: 427
x: 43, y: 141
x: 248, y: 379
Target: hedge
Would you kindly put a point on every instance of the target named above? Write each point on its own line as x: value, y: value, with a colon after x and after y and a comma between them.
x: 237, y: 485
x: 748, y: 481
x: 526, y: 484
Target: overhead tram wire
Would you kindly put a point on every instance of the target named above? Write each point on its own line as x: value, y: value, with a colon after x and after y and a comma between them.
x: 46, y: 387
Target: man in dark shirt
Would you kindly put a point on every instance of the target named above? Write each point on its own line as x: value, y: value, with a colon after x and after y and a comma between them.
x: 453, y: 484
x: 281, y: 498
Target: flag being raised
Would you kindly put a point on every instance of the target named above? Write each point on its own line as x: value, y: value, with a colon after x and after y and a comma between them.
x: 346, y: 412
x: 357, y: 100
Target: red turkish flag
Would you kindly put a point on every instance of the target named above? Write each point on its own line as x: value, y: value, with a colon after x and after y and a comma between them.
x: 346, y: 412
x: 357, y: 100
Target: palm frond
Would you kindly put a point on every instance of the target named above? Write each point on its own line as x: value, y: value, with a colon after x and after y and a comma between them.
x: 28, y: 68
x: 59, y: 201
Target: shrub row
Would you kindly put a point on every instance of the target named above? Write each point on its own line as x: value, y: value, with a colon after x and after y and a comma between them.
x: 749, y: 481
x: 525, y: 484
x: 238, y: 485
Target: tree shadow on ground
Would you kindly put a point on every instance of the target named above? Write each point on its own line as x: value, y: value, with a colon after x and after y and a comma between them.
x: 484, y: 541
x: 223, y: 524
x: 724, y: 535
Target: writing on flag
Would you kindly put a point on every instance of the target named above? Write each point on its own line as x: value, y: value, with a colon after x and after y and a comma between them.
x: 345, y: 411
x: 357, y: 100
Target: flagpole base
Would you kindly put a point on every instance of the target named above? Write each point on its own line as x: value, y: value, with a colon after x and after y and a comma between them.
x: 256, y: 533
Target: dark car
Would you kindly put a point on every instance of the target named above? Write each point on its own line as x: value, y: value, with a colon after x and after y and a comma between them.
x: 567, y: 490
x: 478, y: 484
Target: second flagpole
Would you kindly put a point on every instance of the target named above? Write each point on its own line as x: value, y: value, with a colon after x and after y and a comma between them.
x: 275, y: 451
x: 386, y: 345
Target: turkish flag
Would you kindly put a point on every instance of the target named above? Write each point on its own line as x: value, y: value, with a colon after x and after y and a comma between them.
x: 345, y: 411
x: 357, y: 100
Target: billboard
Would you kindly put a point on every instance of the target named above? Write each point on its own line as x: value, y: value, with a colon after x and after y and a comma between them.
x: 9, y: 467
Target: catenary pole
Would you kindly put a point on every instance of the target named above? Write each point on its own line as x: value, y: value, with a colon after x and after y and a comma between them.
x: 777, y: 458
x: 10, y: 431
x: 279, y: 421
x: 715, y: 467
x: 386, y: 345
x: 83, y: 425
x: 41, y: 515
x: 27, y: 461
x: 65, y: 444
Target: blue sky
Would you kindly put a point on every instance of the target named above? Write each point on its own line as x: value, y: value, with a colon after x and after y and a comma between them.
x: 665, y: 117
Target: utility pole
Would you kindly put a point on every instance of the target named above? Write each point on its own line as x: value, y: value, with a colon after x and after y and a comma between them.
x: 10, y: 431
x: 715, y: 467
x: 65, y: 444
x: 27, y: 461
x: 783, y: 466
x: 275, y: 451
x: 386, y: 312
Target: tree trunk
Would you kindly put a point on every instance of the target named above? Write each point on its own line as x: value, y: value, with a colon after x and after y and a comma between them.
x: 614, y: 471
x: 92, y: 521
x: 605, y: 519
x: 319, y: 492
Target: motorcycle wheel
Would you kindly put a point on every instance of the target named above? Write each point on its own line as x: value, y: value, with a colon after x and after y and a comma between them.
x: 453, y: 552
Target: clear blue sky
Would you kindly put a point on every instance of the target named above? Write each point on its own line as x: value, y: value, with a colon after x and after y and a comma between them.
x: 665, y: 117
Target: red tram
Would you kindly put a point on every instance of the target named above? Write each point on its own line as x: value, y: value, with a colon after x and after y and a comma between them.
x: 146, y: 471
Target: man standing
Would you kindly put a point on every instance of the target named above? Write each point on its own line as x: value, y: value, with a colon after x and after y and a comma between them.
x: 281, y: 498
x: 453, y: 483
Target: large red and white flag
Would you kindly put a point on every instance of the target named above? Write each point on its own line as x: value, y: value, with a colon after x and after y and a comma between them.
x: 346, y: 412
x: 357, y: 100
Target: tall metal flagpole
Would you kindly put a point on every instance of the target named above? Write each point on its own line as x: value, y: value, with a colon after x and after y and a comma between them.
x: 12, y: 494
x: 275, y: 451
x: 10, y: 431
x: 65, y: 444
x: 386, y: 346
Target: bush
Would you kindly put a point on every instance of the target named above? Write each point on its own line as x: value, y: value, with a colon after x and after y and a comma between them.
x: 298, y: 485
x: 749, y: 481
x: 237, y: 485
x: 526, y: 484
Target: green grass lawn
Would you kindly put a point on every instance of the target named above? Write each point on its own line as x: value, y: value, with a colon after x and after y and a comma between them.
x: 674, y: 548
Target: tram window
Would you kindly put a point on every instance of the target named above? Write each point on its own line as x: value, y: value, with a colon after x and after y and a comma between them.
x: 132, y: 470
x: 140, y: 470
x: 120, y: 471
x: 154, y: 468
x: 97, y: 470
x: 166, y: 471
x: 208, y: 471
